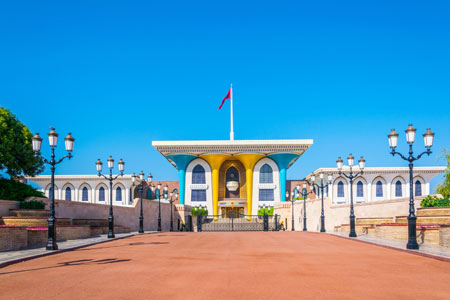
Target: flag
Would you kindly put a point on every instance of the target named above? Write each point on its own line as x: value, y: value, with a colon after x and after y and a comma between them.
x: 228, y: 96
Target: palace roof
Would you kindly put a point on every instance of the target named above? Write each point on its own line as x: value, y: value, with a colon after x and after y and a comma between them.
x: 234, y: 147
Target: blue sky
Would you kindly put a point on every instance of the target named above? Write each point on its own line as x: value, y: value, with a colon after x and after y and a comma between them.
x: 119, y: 75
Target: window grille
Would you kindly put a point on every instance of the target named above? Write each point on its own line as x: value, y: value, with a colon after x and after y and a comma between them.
x: 359, y: 189
x: 198, y: 175
x: 398, y: 189
x: 379, y: 189
x: 266, y: 195
x: 198, y: 195
x: 118, y: 194
x: 418, y: 191
x: 266, y: 174
x: 68, y: 194
x: 101, y: 194
x: 340, y: 189
x: 85, y: 194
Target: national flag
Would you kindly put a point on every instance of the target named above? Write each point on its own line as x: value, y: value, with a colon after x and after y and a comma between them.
x: 228, y: 96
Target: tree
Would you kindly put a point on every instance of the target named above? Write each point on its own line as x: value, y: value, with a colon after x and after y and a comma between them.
x: 444, y: 187
x: 16, y: 152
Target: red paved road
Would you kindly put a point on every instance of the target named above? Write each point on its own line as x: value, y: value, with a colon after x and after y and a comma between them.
x: 261, y: 265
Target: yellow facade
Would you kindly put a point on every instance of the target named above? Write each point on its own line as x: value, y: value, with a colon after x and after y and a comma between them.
x: 248, y: 161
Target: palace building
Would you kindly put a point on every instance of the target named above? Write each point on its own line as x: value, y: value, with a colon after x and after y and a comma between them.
x: 232, y: 175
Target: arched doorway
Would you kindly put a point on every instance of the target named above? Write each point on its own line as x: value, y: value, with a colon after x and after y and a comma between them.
x: 232, y: 187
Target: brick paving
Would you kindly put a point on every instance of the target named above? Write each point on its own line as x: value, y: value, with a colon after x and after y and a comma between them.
x: 229, y: 265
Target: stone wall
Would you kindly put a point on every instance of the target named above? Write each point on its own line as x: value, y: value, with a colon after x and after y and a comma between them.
x: 338, y: 214
x: 123, y: 215
x: 444, y: 235
x: 13, y: 238
x: 6, y: 205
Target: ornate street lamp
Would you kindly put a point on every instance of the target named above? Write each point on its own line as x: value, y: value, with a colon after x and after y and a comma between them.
x: 159, y: 206
x: 292, y: 208
x: 321, y: 187
x: 141, y: 192
x: 174, y: 192
x: 110, y: 178
x: 351, y: 176
x: 53, y: 141
x: 428, y: 138
x: 304, y: 194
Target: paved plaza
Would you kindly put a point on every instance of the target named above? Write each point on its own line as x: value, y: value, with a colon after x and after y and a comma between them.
x: 229, y: 265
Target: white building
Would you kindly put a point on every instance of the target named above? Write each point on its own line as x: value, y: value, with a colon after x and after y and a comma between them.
x: 378, y: 183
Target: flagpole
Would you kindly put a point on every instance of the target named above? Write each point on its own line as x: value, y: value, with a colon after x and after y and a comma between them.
x: 231, y: 112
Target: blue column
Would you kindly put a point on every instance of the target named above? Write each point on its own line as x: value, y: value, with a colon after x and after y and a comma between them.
x: 284, y: 161
x: 181, y: 161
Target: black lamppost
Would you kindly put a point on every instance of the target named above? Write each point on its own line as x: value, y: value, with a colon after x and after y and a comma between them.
x: 53, y: 141
x: 172, y: 201
x: 111, y: 178
x: 292, y: 208
x: 141, y: 191
x: 304, y: 194
x: 161, y: 195
x: 428, y: 137
x: 351, y: 176
x: 321, y: 187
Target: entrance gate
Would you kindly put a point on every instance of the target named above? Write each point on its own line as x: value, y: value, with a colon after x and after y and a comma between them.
x: 238, y: 223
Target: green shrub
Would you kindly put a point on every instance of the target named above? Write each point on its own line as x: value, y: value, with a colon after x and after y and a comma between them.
x: 265, y: 211
x: 32, y: 204
x: 434, y: 201
x: 199, y: 211
x: 14, y: 190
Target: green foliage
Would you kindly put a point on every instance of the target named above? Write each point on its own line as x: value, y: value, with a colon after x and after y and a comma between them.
x: 32, y: 204
x: 444, y: 187
x: 433, y: 201
x: 266, y: 211
x: 16, y: 152
x: 14, y: 190
x: 199, y: 211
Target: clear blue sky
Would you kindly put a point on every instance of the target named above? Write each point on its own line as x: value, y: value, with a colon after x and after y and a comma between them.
x: 119, y: 75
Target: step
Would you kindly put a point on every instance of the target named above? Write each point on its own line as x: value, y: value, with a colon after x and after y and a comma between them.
x: 435, y: 219
x: 33, y: 221
x: 373, y: 221
x: 426, y: 234
x: 90, y: 222
x: 433, y: 211
x: 29, y: 213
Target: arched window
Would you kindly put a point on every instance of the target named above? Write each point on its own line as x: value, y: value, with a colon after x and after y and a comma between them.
x: 340, y: 189
x: 266, y: 174
x: 118, y: 194
x: 418, y: 191
x: 68, y: 194
x: 85, y: 194
x: 156, y: 193
x: 359, y: 189
x: 101, y: 194
x: 398, y: 189
x: 379, y: 189
x: 149, y: 194
x: 198, y: 175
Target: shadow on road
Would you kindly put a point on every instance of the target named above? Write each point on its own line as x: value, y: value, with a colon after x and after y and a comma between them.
x: 73, y: 263
x: 117, y: 246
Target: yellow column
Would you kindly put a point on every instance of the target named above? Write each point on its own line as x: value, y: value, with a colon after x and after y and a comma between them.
x: 249, y: 161
x: 215, y: 161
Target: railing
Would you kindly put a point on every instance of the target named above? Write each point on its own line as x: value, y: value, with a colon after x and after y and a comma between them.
x: 239, y: 223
